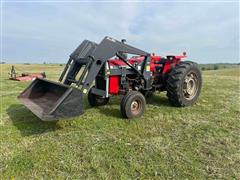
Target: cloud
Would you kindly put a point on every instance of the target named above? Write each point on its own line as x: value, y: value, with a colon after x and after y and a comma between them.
x: 37, y: 32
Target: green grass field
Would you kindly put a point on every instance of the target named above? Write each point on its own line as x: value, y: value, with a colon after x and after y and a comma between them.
x: 196, y: 142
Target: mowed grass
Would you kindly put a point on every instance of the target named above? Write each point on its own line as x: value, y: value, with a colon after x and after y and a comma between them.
x: 196, y: 142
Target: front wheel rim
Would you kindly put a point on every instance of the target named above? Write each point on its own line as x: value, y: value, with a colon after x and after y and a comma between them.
x: 136, y: 107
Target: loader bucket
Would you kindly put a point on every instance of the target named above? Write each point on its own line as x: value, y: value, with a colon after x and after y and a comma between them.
x: 52, y: 101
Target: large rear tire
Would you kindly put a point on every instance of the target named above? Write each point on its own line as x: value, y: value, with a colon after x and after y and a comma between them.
x: 96, y: 100
x: 184, y: 84
x: 133, y: 105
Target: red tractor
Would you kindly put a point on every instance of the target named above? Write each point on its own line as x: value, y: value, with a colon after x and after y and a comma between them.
x: 105, y: 70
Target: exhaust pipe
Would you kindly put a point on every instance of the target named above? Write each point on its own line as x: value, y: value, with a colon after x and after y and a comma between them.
x: 51, y: 101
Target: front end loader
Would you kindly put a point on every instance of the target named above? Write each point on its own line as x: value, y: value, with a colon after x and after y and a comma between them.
x: 103, y: 70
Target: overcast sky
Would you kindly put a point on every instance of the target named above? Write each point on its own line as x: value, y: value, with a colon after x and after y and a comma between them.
x: 38, y: 32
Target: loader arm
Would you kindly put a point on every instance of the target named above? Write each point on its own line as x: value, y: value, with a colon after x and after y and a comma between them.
x: 108, y: 48
x: 93, y: 56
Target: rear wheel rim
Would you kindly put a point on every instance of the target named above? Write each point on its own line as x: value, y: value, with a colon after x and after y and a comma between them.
x: 136, y: 107
x: 190, y: 86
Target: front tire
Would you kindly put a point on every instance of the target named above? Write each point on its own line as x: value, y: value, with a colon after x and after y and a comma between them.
x: 184, y: 84
x: 133, y: 105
